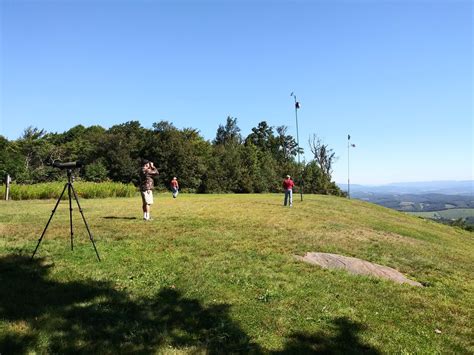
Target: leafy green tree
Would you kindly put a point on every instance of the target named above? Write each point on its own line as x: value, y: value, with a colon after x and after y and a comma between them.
x: 225, y: 173
x: 181, y: 153
x: 261, y: 137
x: 285, y: 146
x: 122, y: 149
x: 79, y: 144
x: 250, y: 176
x: 37, y: 154
x: 10, y: 159
x: 270, y: 179
x: 96, y: 171
x: 276, y: 155
x: 228, y: 134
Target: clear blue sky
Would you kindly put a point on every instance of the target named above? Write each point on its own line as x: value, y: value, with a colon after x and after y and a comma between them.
x: 397, y: 75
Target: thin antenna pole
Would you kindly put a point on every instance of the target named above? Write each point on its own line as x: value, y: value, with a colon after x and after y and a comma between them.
x: 348, y: 171
x: 298, y: 143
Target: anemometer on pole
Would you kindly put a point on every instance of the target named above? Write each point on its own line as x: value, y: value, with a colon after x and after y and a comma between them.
x: 297, y: 106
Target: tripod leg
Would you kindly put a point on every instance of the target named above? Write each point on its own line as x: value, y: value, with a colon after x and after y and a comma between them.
x: 85, y: 222
x: 70, y: 214
x: 50, y: 218
x: 301, y: 187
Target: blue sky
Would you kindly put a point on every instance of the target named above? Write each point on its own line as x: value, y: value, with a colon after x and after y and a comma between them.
x: 396, y: 75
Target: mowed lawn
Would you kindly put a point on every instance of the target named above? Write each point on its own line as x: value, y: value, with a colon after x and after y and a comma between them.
x: 217, y: 274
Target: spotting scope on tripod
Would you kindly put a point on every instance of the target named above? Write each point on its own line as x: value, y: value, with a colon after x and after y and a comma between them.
x: 70, y: 191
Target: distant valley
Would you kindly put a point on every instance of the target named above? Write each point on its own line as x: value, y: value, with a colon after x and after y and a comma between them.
x: 417, y: 202
x: 439, y: 200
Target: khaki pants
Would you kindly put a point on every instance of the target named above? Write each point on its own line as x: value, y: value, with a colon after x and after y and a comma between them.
x: 147, y: 197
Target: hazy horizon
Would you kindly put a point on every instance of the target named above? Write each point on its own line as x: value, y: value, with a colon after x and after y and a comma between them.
x: 410, y: 182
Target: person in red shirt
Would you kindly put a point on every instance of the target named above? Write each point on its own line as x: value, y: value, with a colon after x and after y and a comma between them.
x: 174, y: 187
x: 288, y: 187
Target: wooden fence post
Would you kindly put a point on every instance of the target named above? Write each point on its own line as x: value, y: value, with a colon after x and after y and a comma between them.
x: 7, y: 186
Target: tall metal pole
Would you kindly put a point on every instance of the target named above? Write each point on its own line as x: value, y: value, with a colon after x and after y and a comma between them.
x: 298, y: 143
x: 349, y: 145
x: 348, y: 176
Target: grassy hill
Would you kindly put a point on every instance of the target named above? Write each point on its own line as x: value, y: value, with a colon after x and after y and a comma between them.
x: 216, y: 273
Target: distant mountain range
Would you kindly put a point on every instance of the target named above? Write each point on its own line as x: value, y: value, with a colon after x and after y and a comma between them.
x: 421, y: 197
x: 465, y: 188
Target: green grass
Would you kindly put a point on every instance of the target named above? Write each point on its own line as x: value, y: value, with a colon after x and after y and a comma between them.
x: 216, y: 274
x: 84, y: 189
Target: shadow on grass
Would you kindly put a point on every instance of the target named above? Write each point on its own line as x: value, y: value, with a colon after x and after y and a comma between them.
x: 117, y: 217
x: 344, y: 339
x: 91, y: 317
x: 47, y: 316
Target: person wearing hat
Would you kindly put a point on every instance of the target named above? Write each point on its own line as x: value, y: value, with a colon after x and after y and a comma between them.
x: 288, y: 187
x: 174, y: 187
x: 147, y: 173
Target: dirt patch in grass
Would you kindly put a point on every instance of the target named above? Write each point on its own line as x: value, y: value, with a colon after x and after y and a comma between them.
x: 369, y: 235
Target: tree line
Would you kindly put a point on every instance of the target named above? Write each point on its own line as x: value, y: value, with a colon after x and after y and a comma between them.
x: 229, y: 163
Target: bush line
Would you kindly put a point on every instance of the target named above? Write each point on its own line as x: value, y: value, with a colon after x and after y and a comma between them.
x: 84, y: 189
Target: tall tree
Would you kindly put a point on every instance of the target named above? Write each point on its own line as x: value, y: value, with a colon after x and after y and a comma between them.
x: 228, y: 134
x: 325, y: 157
x: 286, y: 145
x: 37, y: 153
x: 121, y: 151
x: 10, y: 159
x: 318, y: 172
x: 261, y: 136
x: 182, y: 153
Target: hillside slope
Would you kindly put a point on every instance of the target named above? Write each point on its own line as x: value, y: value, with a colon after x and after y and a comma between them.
x: 218, y: 273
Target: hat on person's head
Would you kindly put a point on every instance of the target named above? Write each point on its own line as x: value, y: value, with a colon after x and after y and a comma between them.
x: 174, y: 178
x: 288, y: 176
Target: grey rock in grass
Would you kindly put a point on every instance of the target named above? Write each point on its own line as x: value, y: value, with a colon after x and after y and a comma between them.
x: 356, y: 266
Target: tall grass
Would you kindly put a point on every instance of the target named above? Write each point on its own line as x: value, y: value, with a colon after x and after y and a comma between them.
x: 83, y: 189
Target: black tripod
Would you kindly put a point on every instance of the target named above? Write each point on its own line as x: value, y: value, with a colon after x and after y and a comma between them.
x: 70, y: 188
